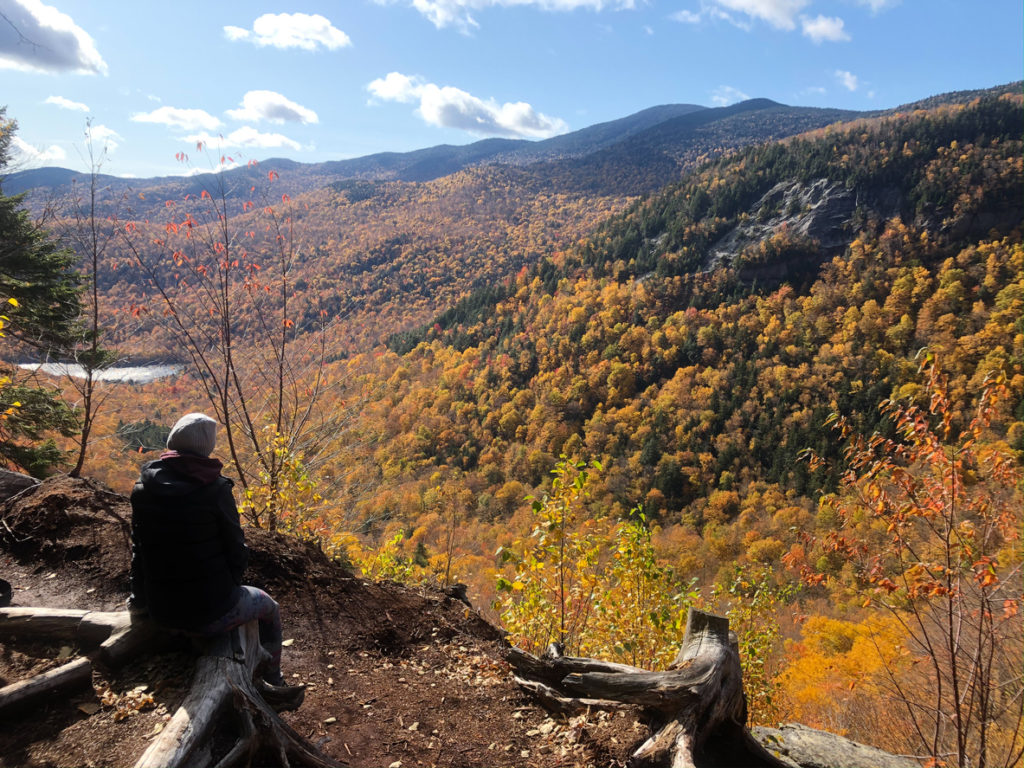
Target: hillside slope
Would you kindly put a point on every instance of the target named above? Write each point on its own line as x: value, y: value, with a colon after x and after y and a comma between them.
x: 697, y: 344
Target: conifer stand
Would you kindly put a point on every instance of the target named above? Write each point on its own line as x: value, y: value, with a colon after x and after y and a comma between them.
x: 696, y: 709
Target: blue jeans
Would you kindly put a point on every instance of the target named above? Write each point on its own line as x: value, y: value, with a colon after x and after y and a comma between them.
x: 255, y: 604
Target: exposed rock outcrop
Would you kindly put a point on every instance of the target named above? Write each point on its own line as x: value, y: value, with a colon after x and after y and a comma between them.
x: 804, y: 747
x: 817, y: 212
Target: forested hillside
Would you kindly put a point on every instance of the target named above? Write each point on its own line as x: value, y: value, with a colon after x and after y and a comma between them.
x: 689, y: 368
x: 787, y: 386
x: 697, y: 349
x: 380, y: 247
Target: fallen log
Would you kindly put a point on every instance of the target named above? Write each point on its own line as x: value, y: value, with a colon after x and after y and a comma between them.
x: 696, y: 708
x: 227, y: 699
x: 107, y: 635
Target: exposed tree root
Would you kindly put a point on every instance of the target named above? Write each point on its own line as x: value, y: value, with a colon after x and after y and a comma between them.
x: 696, y: 709
x: 226, y: 696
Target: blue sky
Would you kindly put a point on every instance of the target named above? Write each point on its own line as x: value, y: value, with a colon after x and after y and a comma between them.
x: 319, y: 80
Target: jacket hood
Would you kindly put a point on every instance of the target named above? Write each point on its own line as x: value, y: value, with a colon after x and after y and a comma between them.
x: 176, y: 474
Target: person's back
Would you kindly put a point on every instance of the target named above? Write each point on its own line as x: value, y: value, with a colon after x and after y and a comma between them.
x: 189, y: 545
x: 188, y: 549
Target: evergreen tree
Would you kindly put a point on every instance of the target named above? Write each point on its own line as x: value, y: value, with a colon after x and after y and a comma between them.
x: 40, y: 291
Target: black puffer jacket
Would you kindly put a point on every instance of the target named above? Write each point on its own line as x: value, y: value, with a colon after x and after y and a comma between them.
x: 188, y: 549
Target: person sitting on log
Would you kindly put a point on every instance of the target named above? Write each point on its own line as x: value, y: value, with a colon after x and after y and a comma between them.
x: 188, y: 548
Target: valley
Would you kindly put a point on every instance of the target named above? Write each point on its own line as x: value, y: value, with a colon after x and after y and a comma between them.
x: 669, y: 312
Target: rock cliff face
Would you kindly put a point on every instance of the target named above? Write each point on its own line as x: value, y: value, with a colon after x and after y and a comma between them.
x: 818, y: 213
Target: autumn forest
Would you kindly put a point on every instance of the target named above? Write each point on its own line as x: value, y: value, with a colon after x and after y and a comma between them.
x: 767, y: 362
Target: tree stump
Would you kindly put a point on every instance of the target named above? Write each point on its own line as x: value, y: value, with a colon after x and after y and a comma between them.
x: 226, y: 695
x: 696, y: 709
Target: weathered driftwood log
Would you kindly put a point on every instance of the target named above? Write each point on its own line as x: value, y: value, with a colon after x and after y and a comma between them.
x: 696, y: 709
x: 226, y: 695
x: 107, y: 636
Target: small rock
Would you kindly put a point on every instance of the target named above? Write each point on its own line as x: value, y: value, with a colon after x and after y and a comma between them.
x: 12, y: 483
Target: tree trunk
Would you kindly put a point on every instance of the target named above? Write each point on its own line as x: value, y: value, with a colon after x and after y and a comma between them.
x: 696, y: 709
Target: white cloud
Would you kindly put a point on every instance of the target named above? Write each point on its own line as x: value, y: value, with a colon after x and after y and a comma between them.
x: 686, y: 17
x: 781, y: 14
x: 104, y: 137
x: 458, y: 13
x: 725, y: 95
x: 26, y: 155
x: 38, y: 38
x: 291, y: 30
x: 246, y: 136
x: 449, y: 107
x: 60, y: 101
x: 396, y: 87
x: 185, y: 119
x: 877, y: 6
x: 847, y: 79
x: 824, y: 28
x: 272, y: 106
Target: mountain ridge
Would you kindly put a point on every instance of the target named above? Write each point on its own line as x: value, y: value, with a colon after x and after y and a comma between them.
x: 664, y: 133
x: 379, y: 164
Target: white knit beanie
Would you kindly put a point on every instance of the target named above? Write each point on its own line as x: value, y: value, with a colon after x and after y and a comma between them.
x: 194, y: 433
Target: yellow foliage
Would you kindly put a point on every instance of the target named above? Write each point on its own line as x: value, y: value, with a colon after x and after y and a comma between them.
x: 838, y: 675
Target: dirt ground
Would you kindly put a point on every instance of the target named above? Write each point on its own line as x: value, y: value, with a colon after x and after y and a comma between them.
x: 395, y: 676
